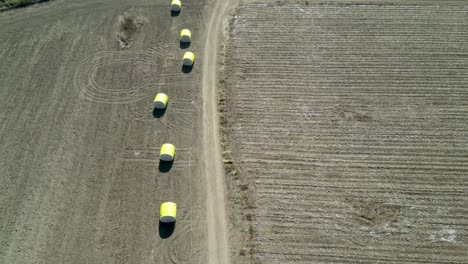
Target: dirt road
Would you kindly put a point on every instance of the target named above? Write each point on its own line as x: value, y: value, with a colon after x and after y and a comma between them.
x: 218, y: 246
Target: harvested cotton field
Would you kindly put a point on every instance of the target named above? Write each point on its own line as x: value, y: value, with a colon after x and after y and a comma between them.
x: 80, y: 177
x: 347, y: 122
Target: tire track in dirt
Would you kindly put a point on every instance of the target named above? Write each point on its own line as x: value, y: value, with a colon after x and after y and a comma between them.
x: 87, y: 82
x: 178, y: 118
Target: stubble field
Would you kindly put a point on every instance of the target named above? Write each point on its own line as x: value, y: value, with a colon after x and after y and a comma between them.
x: 348, y: 127
x: 80, y: 180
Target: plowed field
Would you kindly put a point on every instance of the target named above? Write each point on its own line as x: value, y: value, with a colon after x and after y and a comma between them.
x: 349, y: 121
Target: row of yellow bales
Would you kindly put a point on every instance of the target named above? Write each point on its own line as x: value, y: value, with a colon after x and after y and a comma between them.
x: 168, y: 210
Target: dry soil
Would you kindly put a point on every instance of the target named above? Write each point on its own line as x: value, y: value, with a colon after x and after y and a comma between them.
x: 80, y: 179
x: 347, y: 122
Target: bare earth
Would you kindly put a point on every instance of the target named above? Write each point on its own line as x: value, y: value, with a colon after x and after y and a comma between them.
x: 346, y: 137
x: 80, y: 180
x: 218, y: 246
x: 348, y: 125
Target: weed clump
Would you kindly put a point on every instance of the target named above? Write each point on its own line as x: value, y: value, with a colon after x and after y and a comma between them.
x: 7, y: 4
x: 129, y: 26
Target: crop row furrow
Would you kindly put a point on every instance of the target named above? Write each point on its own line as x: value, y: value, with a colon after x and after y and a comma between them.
x: 343, y: 110
x: 326, y: 254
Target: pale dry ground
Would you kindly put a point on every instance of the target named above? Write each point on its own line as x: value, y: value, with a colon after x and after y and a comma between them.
x: 219, y: 250
x: 350, y: 122
x: 79, y: 171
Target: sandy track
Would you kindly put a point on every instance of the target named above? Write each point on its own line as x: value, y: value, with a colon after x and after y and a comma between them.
x: 350, y: 122
x: 218, y: 246
x: 79, y: 176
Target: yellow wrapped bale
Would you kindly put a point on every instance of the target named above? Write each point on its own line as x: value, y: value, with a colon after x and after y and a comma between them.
x: 160, y: 101
x: 167, y: 152
x: 176, y: 5
x: 168, y: 212
x: 185, y: 35
x: 189, y: 59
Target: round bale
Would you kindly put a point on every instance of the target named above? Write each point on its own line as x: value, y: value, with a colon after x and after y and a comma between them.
x: 160, y: 101
x: 176, y: 5
x: 167, y: 152
x: 185, y: 35
x: 189, y: 58
x: 168, y: 212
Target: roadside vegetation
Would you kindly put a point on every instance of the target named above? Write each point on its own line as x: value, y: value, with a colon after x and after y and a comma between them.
x: 7, y: 4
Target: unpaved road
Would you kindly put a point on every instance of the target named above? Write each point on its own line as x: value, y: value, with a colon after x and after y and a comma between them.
x: 218, y: 246
x: 79, y: 175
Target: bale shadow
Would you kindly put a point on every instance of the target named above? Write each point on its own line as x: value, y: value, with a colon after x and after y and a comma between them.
x: 187, y: 69
x: 158, y: 113
x: 165, y: 166
x: 175, y: 13
x: 166, y: 229
x: 184, y: 45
